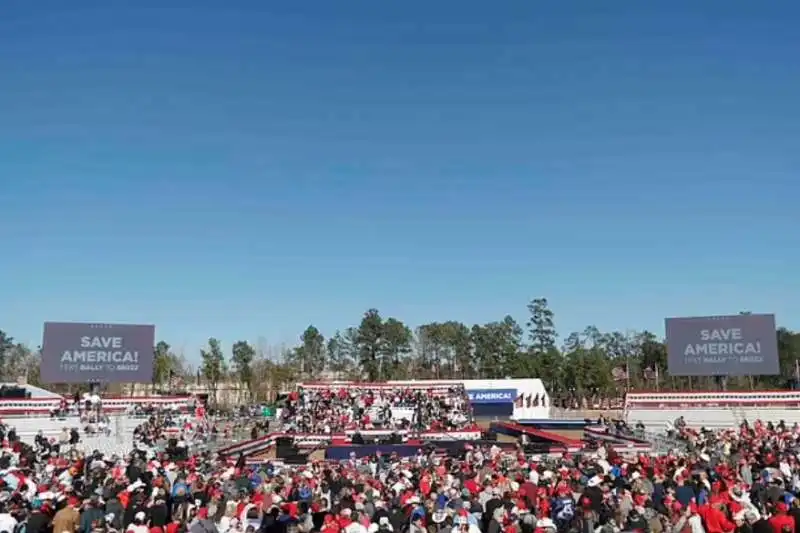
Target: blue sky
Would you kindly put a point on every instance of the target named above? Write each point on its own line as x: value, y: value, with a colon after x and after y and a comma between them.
x: 247, y: 170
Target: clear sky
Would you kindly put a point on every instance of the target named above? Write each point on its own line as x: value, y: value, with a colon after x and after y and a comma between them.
x: 246, y: 170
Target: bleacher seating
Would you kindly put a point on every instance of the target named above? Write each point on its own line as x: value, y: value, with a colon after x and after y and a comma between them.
x: 27, y: 428
x: 655, y: 419
x: 30, y: 410
x: 108, y: 445
x: 398, y: 413
x: 402, y: 400
x: 717, y: 410
x: 524, y: 398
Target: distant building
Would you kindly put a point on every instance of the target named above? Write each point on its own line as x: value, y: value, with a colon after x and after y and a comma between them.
x: 229, y: 393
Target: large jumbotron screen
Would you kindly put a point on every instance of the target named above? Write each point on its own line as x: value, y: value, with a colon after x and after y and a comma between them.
x: 737, y: 345
x: 74, y: 352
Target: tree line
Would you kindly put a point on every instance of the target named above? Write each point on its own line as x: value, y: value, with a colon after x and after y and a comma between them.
x: 582, y: 364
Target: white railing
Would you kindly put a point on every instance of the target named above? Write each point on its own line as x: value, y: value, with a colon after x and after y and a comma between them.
x: 713, y: 410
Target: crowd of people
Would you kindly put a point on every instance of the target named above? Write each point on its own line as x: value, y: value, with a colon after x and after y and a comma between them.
x: 742, y: 480
x: 329, y: 411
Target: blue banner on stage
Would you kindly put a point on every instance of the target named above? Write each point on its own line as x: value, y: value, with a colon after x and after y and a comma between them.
x: 492, y: 395
x: 341, y: 453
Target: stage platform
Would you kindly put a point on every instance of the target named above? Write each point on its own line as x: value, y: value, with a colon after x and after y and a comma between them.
x: 588, y: 430
x: 545, y: 437
x: 315, y: 441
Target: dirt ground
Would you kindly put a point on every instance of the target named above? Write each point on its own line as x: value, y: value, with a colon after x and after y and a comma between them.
x: 483, y: 424
x: 317, y: 455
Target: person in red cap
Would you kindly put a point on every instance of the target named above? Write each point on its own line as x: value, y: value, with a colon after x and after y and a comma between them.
x: 715, y: 520
x: 330, y: 525
x: 68, y: 518
x: 203, y: 524
x: 174, y: 525
x: 782, y: 521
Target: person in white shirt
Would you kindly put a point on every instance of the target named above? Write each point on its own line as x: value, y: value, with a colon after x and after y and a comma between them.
x: 462, y: 525
x: 7, y: 522
x: 547, y: 525
x: 383, y: 524
x: 139, y: 524
x: 355, y: 527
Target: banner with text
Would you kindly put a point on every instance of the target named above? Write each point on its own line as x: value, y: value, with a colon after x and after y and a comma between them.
x: 737, y: 345
x: 492, y: 395
x: 74, y: 352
